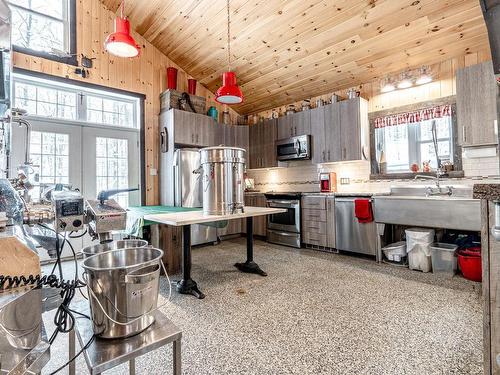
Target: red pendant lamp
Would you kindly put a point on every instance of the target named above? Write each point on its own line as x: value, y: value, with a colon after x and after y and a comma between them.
x: 121, y: 43
x: 229, y: 92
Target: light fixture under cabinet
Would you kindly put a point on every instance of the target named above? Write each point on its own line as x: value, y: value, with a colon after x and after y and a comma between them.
x: 406, y: 81
x: 425, y: 76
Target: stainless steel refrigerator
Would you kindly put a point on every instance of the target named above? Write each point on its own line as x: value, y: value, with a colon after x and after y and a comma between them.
x: 187, y: 191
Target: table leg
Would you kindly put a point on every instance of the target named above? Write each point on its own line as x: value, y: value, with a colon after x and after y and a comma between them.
x: 177, y: 357
x: 131, y: 366
x: 187, y: 285
x: 250, y: 266
x: 71, y: 352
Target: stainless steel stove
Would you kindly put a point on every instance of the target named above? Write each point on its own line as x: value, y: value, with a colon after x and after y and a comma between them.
x: 284, y: 228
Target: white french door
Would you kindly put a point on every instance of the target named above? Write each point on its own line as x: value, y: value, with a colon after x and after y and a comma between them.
x: 111, y: 160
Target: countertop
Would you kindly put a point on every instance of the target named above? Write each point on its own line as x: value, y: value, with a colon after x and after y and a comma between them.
x: 486, y: 191
x: 333, y: 194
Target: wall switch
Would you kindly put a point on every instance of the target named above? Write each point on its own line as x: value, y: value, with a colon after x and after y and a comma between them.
x: 344, y: 181
x: 153, y: 171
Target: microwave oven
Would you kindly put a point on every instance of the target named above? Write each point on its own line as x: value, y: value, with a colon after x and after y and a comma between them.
x: 294, y: 148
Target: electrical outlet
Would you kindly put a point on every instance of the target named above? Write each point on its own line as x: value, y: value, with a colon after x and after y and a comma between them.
x: 345, y: 181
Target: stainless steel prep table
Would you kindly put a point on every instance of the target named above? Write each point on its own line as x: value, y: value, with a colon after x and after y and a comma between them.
x: 104, y: 354
x: 185, y: 219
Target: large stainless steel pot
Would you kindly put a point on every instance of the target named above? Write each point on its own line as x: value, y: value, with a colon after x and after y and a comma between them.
x: 222, y: 174
x: 123, y: 290
x: 114, y: 245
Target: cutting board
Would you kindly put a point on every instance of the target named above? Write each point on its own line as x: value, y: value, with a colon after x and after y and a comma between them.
x: 17, y: 259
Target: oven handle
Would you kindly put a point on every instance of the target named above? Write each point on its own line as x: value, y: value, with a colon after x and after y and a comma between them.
x: 279, y: 204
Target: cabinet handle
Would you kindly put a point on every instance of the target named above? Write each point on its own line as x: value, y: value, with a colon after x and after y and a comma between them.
x: 192, y: 137
x: 463, y: 134
x: 329, y: 155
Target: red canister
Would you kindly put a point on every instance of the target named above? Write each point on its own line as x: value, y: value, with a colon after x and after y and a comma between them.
x: 172, y: 78
x: 192, y: 86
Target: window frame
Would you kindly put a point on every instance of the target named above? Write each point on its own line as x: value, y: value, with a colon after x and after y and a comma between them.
x: 81, y: 101
x: 70, y: 36
x: 457, y: 149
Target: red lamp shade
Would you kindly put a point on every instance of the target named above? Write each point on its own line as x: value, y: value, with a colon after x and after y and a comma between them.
x: 120, y: 43
x: 229, y: 93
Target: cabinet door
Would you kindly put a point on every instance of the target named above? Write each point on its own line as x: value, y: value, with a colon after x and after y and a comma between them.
x: 333, y: 149
x: 202, y: 130
x: 216, y: 133
x: 330, y: 222
x: 255, y: 147
x: 241, y: 137
x: 301, y: 123
x: 229, y: 138
x: 260, y: 222
x: 318, y: 135
x: 350, y: 135
x: 476, y: 105
x: 285, y: 127
x: 268, y: 140
x: 183, y: 128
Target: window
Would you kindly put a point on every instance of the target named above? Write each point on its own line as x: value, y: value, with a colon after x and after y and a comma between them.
x: 112, y: 166
x: 45, y: 28
x: 405, y: 141
x: 46, y: 99
x: 49, y: 153
x: 110, y: 111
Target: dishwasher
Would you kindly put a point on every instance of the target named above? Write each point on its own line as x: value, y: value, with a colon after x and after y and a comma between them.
x: 352, y: 235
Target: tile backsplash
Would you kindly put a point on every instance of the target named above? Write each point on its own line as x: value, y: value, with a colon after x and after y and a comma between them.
x: 304, y: 176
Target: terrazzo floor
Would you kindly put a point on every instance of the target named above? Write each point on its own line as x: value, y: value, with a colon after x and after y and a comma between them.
x: 316, y: 313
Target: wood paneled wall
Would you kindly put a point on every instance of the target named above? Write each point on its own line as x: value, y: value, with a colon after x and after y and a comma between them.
x: 443, y: 85
x: 145, y: 75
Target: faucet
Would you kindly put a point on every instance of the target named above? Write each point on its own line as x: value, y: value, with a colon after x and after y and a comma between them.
x: 439, y: 191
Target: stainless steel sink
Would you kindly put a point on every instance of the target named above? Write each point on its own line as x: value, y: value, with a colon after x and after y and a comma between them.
x: 412, y: 206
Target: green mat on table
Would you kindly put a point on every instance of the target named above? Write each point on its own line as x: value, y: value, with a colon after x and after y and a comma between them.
x: 136, y: 221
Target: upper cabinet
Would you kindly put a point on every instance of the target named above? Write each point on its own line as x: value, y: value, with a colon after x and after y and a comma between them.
x: 183, y: 128
x: 340, y: 131
x: 476, y: 105
x: 262, y: 149
x: 186, y: 128
x: 294, y: 124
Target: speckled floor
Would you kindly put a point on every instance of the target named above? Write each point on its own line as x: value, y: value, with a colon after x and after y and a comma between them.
x: 316, y: 313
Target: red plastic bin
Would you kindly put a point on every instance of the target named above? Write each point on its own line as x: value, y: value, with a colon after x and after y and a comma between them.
x: 469, y: 261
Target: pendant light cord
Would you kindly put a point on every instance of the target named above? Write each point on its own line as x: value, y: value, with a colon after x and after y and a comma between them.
x: 228, y: 39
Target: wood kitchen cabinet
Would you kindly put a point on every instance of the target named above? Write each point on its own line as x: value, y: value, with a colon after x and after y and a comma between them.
x: 326, y: 133
x: 187, y: 128
x: 318, y: 221
x: 262, y: 139
x: 294, y: 124
x: 259, y: 222
x: 476, y: 105
x: 353, y: 129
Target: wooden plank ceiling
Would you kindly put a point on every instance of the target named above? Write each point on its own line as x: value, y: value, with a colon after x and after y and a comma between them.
x: 284, y: 51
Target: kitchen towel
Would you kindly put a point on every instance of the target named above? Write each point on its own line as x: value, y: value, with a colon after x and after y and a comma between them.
x: 363, y: 210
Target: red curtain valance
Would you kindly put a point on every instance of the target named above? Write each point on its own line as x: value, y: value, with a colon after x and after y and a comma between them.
x: 416, y: 116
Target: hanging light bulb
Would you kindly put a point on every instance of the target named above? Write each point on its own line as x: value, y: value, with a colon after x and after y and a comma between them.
x: 120, y: 43
x: 425, y: 76
x: 405, y: 81
x: 229, y: 92
x: 387, y: 85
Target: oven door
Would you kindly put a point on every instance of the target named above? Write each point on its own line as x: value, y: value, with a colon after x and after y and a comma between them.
x: 288, y: 221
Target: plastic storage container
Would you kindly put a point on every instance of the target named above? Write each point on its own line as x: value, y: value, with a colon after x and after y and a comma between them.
x: 395, y: 252
x: 443, y: 258
x: 418, y: 242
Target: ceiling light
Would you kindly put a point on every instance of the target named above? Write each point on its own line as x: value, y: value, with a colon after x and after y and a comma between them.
x: 229, y: 93
x: 425, y: 76
x: 121, y: 43
x: 405, y: 81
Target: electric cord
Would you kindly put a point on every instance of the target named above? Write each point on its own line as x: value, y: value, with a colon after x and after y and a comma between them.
x: 79, y: 235
x: 86, y: 346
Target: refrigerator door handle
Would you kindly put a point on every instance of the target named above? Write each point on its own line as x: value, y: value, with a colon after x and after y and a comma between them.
x: 163, y: 140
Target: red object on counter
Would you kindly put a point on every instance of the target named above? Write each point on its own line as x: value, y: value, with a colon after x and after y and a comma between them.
x: 171, y: 78
x: 469, y: 261
x: 363, y: 210
x: 192, y: 86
